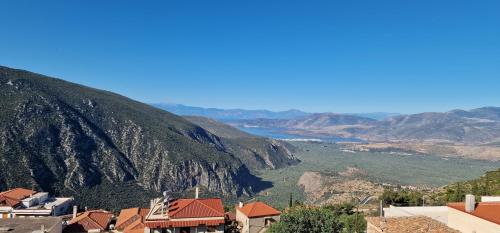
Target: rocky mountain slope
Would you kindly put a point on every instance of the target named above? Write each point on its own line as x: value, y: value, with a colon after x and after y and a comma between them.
x: 259, y: 152
x: 472, y: 127
x: 67, y: 138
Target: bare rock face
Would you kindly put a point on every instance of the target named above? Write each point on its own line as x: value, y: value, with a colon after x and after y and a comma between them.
x: 66, y: 138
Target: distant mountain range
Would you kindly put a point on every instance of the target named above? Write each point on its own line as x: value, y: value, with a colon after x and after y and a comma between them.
x: 243, y: 114
x: 312, y: 121
x: 228, y: 114
x: 70, y: 139
x: 477, y: 126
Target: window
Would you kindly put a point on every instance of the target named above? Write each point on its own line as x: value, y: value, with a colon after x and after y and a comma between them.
x: 211, y: 229
x: 269, y: 221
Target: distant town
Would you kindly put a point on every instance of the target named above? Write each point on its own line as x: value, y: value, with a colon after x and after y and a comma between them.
x: 29, y: 211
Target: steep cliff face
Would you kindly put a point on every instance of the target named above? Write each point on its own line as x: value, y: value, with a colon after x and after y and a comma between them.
x: 63, y: 137
x: 255, y: 152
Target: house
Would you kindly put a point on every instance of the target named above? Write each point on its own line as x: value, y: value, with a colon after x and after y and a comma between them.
x: 256, y: 217
x: 468, y: 216
x: 89, y: 221
x: 415, y: 224
x: 185, y: 216
x: 31, y: 225
x: 131, y: 220
x: 472, y: 217
x: 20, y: 202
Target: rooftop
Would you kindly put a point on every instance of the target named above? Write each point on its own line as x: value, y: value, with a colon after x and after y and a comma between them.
x: 13, y: 197
x: 186, y: 213
x: 94, y: 219
x: 28, y: 225
x: 418, y: 224
x: 131, y: 220
x: 489, y: 211
x: 258, y: 209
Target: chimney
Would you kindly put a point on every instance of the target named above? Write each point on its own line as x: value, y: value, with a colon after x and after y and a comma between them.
x: 470, y: 203
x: 196, y: 195
x: 241, y: 204
x: 75, y: 210
x: 151, y: 204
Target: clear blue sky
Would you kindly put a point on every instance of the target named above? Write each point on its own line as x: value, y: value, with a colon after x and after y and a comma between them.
x: 340, y: 56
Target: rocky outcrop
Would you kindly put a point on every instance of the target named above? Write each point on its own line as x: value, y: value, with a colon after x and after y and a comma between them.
x: 63, y: 137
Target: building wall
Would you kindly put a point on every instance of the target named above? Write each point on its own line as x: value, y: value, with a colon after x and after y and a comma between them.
x: 243, y: 221
x: 467, y: 223
x: 253, y: 225
x: 63, y: 208
x: 259, y: 224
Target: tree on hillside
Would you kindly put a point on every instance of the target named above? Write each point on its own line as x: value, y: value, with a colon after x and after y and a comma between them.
x: 310, y: 219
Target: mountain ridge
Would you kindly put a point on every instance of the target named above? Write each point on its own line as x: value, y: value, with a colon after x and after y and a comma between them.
x: 67, y: 138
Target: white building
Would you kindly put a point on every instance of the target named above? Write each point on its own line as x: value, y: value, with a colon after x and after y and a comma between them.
x: 21, y: 202
x: 256, y: 217
x: 467, y: 217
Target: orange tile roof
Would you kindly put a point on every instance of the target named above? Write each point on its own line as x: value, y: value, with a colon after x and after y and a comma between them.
x: 258, y: 209
x: 489, y: 211
x: 94, y: 219
x: 415, y: 224
x: 190, y: 213
x: 135, y: 227
x: 14, y: 197
x: 130, y: 216
x: 196, y: 208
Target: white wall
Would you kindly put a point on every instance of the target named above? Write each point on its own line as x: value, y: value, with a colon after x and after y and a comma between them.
x: 468, y: 223
x: 438, y: 213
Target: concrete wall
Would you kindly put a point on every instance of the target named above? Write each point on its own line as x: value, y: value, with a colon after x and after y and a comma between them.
x: 438, y: 213
x: 253, y: 225
x: 467, y: 223
x: 259, y: 224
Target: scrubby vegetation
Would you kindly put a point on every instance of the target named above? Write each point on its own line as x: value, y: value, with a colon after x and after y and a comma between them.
x: 402, y: 197
x: 327, y: 219
x: 419, y: 170
x: 486, y: 185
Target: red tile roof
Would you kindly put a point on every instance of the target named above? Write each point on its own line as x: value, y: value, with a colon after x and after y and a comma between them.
x: 489, y: 211
x: 196, y: 208
x: 94, y: 219
x: 186, y: 223
x: 130, y: 216
x: 135, y: 227
x: 14, y: 197
x: 191, y: 213
x: 258, y: 209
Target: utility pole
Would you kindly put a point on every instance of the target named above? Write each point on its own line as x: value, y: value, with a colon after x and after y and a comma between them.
x: 381, y: 209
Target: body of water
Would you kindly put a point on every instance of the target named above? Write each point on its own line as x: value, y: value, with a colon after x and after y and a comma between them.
x: 277, y: 133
